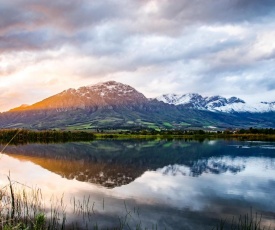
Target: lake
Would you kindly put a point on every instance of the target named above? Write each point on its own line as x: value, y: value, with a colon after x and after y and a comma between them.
x: 158, y: 184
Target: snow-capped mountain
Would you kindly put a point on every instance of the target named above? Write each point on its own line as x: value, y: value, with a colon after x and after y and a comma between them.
x: 216, y: 103
x: 193, y: 100
x: 108, y: 93
x: 115, y: 105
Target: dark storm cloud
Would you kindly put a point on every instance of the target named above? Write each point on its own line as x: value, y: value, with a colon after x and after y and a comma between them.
x: 12, y: 17
x: 29, y: 19
x: 28, y: 25
x: 75, y: 14
x: 223, y: 11
x: 34, y: 40
x: 69, y: 14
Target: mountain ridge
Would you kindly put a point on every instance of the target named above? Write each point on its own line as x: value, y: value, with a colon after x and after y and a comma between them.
x: 103, y: 94
x: 216, y: 103
x: 113, y: 105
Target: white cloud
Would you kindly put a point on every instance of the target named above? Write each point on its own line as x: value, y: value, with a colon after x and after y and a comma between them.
x: 155, y: 46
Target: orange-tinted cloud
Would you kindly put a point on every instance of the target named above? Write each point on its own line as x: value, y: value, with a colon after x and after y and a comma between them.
x: 216, y: 47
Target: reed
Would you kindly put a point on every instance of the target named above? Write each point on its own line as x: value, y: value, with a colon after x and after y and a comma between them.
x: 249, y: 221
x: 22, y: 207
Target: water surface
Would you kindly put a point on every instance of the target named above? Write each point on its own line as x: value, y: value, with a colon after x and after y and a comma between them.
x: 173, y: 184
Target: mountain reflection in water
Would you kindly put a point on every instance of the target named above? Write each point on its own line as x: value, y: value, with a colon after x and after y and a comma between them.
x: 176, y: 184
x: 115, y: 163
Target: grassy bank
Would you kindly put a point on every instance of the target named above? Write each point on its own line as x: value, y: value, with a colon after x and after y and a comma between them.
x: 22, y: 136
x: 249, y: 137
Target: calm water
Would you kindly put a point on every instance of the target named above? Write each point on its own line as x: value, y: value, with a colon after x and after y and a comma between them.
x: 169, y: 184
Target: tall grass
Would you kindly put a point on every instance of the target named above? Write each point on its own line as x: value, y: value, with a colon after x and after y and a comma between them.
x: 249, y: 221
x: 22, y: 207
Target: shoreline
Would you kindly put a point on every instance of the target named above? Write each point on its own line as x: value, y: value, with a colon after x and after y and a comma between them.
x: 17, y: 136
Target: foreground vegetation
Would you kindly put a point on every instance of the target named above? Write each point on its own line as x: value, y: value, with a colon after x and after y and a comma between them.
x: 23, y: 208
x: 252, y: 221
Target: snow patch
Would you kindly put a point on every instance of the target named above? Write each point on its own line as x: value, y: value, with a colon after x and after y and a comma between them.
x: 216, y: 103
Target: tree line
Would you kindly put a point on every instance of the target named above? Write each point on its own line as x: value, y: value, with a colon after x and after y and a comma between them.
x: 266, y: 131
x: 256, y: 131
x: 26, y: 136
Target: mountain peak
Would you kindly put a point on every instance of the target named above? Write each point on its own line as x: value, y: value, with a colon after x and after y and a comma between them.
x: 111, y: 86
x: 115, y: 91
x: 232, y: 100
x: 112, y: 104
x: 177, y: 99
x: 107, y: 83
x: 216, y: 103
x: 110, y: 93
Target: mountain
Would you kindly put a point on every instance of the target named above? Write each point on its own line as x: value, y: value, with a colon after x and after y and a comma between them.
x: 112, y: 105
x: 103, y: 105
x: 109, y: 93
x: 216, y: 103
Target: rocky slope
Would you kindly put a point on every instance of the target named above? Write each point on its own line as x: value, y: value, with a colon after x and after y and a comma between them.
x: 109, y: 93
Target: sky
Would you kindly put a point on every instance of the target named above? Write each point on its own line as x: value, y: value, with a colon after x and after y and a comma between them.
x: 224, y: 47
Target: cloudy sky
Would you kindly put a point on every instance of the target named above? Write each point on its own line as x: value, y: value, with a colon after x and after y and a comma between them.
x: 211, y: 47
